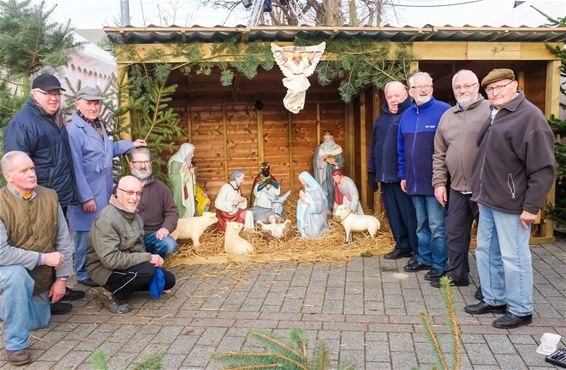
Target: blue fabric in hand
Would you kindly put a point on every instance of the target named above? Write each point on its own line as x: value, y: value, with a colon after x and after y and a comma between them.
x: 157, y: 284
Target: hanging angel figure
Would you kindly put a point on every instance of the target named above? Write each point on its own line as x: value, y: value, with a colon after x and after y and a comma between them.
x: 297, y: 63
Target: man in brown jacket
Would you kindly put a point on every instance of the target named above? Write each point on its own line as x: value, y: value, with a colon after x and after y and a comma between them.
x: 454, y: 153
x: 116, y: 257
x: 512, y: 174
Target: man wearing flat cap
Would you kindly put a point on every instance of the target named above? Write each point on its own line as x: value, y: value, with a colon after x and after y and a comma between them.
x: 92, y: 161
x: 39, y: 131
x: 512, y: 174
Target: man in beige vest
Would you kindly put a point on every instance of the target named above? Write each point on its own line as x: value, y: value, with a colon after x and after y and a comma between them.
x: 36, y: 254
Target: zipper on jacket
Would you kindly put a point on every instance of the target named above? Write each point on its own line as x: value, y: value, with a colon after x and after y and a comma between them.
x: 511, y: 184
x: 462, y: 135
x: 488, y: 133
x: 413, y: 153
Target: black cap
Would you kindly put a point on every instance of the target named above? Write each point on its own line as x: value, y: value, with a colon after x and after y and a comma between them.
x: 46, y: 82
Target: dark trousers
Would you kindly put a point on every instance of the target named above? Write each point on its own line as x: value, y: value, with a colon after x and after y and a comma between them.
x: 401, y: 216
x: 123, y: 283
x: 458, y: 224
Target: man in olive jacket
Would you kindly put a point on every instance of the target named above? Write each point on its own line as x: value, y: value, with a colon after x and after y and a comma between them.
x: 512, y: 174
x: 116, y: 257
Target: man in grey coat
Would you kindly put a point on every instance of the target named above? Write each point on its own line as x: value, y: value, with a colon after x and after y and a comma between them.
x: 116, y: 256
x: 34, y: 241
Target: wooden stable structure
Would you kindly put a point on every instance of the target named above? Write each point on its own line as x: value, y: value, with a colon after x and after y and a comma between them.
x: 241, y: 125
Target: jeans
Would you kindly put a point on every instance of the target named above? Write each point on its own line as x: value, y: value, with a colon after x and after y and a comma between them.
x: 163, y: 247
x: 81, y: 246
x: 430, y: 232
x: 461, y: 214
x: 504, y: 261
x: 401, y: 216
x: 19, y: 309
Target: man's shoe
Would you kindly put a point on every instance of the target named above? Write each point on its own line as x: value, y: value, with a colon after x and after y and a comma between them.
x: 479, y: 294
x: 415, y: 266
x: 60, y: 308
x: 18, y: 357
x: 510, y: 321
x: 436, y: 283
x: 88, y: 283
x: 110, y: 302
x: 434, y: 274
x: 396, y: 254
x: 73, y: 295
x: 482, y: 308
x: 412, y: 258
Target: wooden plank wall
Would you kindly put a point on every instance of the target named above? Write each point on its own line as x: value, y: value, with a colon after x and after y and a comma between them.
x: 226, y: 138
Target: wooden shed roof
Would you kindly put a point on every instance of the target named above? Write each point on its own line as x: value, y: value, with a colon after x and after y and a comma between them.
x: 174, y: 34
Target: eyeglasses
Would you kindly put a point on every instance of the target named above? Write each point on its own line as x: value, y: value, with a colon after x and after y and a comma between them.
x: 494, y: 89
x: 131, y: 192
x: 56, y: 94
x: 138, y: 163
x: 464, y: 87
x: 421, y: 87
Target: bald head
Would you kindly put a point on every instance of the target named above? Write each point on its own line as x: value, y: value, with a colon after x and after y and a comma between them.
x: 19, y: 171
x: 395, y: 93
x: 466, y: 87
x: 129, y: 193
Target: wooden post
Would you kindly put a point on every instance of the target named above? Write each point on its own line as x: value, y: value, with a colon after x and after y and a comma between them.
x: 317, y: 123
x: 189, y: 125
x: 363, y: 150
x: 225, y: 140
x: 377, y: 202
x: 349, y: 133
x: 126, y: 124
x: 260, y: 149
x: 290, y: 138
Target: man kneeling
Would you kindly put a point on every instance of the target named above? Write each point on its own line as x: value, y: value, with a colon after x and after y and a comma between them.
x: 117, y: 259
x: 34, y: 239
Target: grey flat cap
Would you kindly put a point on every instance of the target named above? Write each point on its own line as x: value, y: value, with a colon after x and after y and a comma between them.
x: 90, y: 93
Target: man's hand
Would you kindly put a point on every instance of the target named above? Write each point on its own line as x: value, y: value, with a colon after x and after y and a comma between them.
x: 54, y: 259
x: 440, y: 195
x: 89, y: 206
x: 57, y: 290
x: 527, y: 218
x: 161, y: 233
x: 403, y: 184
x: 156, y: 260
x: 139, y: 142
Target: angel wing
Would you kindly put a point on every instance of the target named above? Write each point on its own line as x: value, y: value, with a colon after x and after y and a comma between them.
x: 280, y: 59
x: 318, y: 51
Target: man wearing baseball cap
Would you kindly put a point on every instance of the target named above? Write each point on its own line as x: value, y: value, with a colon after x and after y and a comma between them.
x: 512, y: 174
x: 38, y: 130
x: 92, y: 153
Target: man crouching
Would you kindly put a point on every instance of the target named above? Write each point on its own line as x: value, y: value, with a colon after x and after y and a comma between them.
x: 116, y: 256
x: 34, y: 240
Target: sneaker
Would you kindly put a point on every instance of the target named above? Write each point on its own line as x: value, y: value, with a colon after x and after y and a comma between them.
x: 73, y: 295
x: 18, y: 357
x: 110, y: 302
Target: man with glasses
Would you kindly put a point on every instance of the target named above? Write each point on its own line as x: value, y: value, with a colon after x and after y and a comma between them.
x: 512, y: 174
x: 454, y: 154
x: 156, y: 208
x: 415, y: 149
x: 116, y: 258
x: 92, y: 153
x: 38, y: 130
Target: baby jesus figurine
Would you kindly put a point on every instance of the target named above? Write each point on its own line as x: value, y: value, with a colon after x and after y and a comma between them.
x: 273, y: 230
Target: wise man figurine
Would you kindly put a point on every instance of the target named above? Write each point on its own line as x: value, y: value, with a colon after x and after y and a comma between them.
x: 327, y: 157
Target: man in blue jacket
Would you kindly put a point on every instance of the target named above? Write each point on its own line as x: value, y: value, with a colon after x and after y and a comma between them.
x: 382, y: 168
x: 415, y: 148
x: 92, y: 160
x: 39, y: 131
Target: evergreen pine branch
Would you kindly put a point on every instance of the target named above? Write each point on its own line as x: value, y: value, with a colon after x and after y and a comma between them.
x: 433, y: 340
x: 278, y: 345
x: 98, y: 360
x: 153, y: 362
x: 451, y: 318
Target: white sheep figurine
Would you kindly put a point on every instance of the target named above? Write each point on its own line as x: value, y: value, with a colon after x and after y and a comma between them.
x: 234, y: 244
x: 193, y: 227
x: 354, y: 222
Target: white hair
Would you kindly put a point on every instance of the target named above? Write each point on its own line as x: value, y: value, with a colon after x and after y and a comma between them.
x: 463, y: 71
x: 391, y: 83
x: 7, y: 161
x: 419, y: 74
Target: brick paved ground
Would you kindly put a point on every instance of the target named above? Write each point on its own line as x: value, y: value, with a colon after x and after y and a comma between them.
x: 366, y: 310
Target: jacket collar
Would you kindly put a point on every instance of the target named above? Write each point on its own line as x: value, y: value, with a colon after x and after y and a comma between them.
x: 127, y: 214
x: 32, y: 104
x: 401, y: 107
x: 425, y: 105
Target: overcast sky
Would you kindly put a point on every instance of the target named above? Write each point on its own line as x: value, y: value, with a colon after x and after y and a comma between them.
x: 100, y: 13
